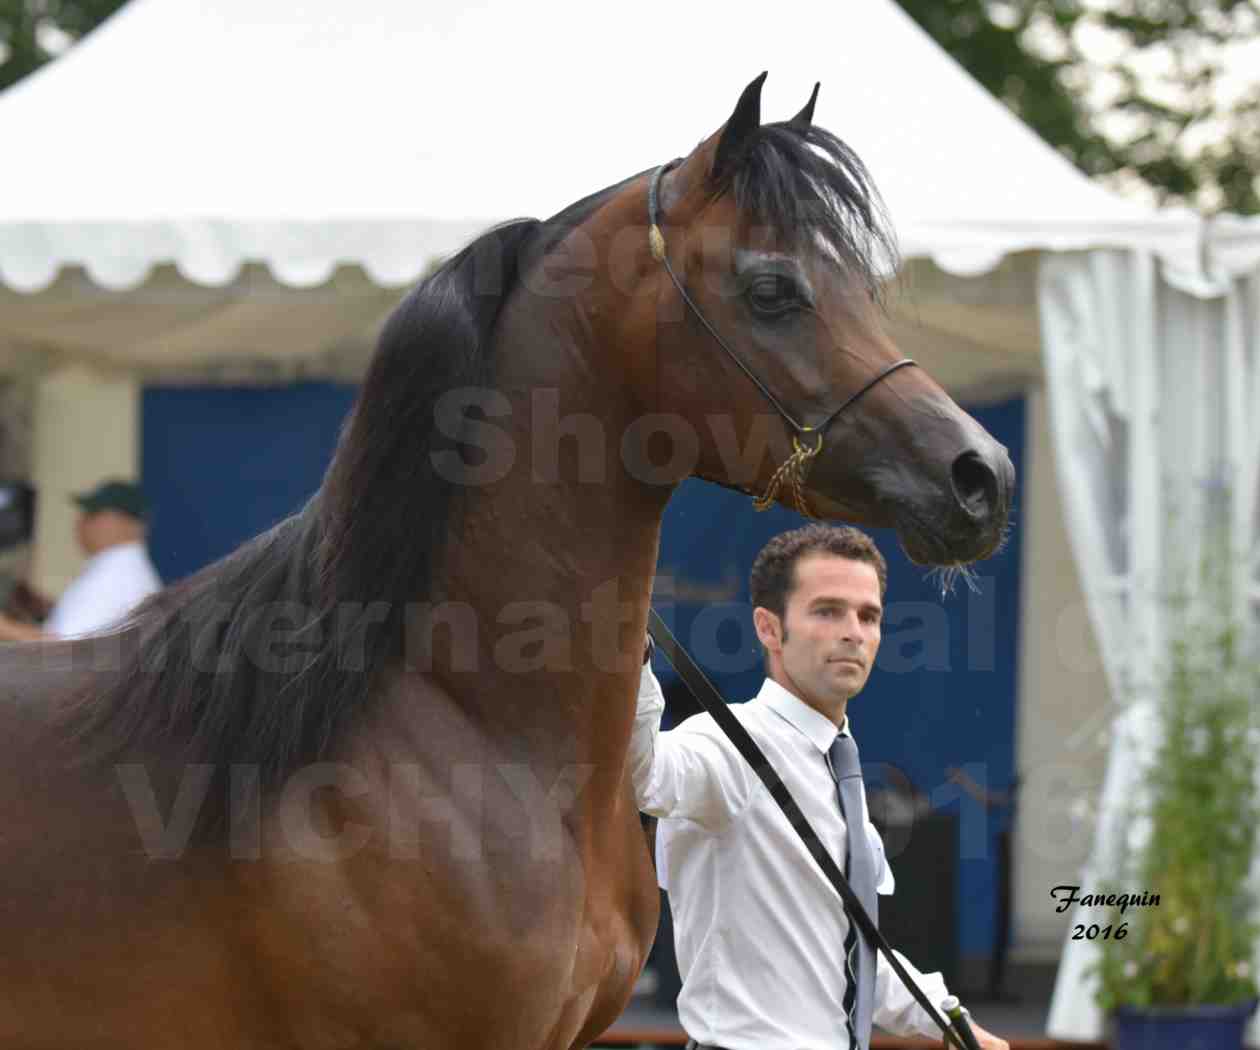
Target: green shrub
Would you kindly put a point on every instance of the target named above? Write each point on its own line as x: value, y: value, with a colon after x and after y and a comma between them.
x: 1200, y: 807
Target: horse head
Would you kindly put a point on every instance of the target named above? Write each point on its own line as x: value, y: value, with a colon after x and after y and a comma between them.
x: 761, y: 288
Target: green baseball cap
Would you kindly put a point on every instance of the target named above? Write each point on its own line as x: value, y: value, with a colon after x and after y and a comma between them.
x: 114, y: 494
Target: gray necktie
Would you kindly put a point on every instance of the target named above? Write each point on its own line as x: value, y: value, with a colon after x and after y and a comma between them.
x: 862, y: 875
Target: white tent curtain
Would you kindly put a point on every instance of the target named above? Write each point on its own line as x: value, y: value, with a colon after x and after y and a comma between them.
x: 1235, y: 256
x: 1152, y: 376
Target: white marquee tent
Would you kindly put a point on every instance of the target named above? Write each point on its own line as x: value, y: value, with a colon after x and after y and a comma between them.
x: 240, y: 189
x: 203, y: 183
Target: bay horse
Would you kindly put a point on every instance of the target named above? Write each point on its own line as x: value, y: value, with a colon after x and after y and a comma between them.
x: 362, y: 783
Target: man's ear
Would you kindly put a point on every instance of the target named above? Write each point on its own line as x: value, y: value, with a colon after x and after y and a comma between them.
x: 769, y: 629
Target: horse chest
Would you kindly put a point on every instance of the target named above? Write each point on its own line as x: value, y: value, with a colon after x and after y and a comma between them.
x: 503, y: 948
x: 616, y: 936
x: 609, y: 960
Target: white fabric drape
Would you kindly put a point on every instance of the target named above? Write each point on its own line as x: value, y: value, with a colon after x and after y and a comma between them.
x: 1152, y: 377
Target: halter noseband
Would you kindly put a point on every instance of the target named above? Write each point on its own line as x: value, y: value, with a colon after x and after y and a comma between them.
x: 793, y: 470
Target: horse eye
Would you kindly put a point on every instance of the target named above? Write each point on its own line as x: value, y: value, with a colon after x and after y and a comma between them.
x: 772, y: 294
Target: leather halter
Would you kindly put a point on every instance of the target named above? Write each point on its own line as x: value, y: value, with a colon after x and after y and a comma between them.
x: 793, y: 470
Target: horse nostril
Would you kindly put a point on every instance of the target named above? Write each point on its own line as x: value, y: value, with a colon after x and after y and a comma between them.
x: 975, y: 485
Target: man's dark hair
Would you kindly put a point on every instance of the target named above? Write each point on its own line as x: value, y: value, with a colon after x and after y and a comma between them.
x: 773, y: 575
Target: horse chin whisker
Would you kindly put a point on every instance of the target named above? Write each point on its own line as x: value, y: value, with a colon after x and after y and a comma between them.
x: 947, y: 575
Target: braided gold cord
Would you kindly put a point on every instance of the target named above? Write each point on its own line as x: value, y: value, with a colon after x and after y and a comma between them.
x: 798, y: 490
x: 793, y: 470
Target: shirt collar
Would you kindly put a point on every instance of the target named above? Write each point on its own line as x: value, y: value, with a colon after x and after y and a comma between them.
x: 820, y: 729
x: 109, y: 553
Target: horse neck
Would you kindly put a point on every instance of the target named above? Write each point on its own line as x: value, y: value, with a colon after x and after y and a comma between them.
x: 561, y: 548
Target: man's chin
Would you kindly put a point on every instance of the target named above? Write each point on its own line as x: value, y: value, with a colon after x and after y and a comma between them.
x: 852, y: 675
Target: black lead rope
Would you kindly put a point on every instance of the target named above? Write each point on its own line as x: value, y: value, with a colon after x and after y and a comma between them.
x: 703, y: 690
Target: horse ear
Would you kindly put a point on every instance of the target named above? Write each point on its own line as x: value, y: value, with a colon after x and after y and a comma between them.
x: 743, y: 122
x: 805, y: 117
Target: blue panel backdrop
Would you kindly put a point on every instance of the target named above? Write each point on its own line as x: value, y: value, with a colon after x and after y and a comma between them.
x: 222, y: 465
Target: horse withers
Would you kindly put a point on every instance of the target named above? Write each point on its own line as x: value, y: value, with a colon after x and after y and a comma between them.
x: 362, y: 783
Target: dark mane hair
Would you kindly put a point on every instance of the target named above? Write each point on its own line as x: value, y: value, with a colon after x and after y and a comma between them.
x: 807, y: 183
x: 263, y: 658
x: 327, y: 588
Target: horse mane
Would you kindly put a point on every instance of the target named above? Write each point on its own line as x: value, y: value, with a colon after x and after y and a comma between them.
x: 328, y: 588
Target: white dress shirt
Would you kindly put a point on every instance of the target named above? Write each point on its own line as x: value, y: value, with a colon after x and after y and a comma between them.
x: 758, y: 930
x: 112, y: 583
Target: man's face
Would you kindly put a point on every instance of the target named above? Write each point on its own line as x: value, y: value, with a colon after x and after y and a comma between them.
x: 830, y: 633
x: 85, y: 531
x: 100, y: 529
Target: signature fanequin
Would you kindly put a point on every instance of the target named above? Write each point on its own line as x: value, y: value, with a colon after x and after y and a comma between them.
x: 1072, y: 895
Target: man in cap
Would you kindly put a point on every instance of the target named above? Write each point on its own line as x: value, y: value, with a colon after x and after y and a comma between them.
x: 118, y: 574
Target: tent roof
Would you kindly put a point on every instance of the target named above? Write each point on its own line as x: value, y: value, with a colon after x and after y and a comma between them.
x: 304, y: 134
x: 182, y: 181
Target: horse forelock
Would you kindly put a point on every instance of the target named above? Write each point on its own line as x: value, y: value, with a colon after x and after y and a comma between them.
x: 814, y: 190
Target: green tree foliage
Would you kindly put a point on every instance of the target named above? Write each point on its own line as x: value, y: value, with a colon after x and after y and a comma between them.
x: 33, y: 32
x: 1145, y: 93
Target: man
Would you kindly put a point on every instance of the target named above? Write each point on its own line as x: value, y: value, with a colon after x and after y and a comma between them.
x: 118, y: 574
x: 767, y: 955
